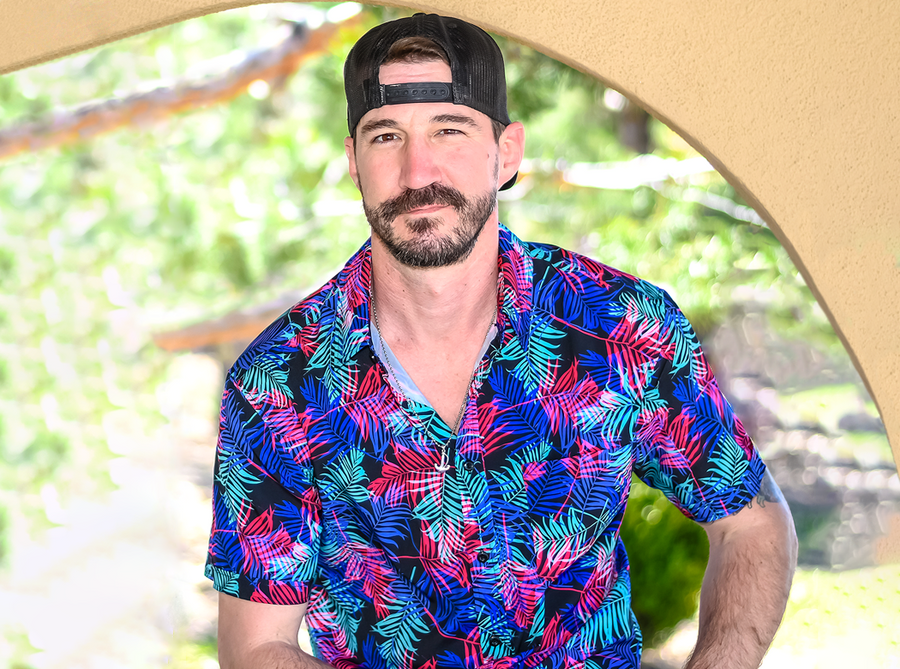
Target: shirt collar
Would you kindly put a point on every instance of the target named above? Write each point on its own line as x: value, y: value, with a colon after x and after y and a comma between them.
x: 515, y: 278
x: 515, y: 294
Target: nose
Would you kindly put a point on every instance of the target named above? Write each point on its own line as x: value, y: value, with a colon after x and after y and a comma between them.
x: 420, y: 165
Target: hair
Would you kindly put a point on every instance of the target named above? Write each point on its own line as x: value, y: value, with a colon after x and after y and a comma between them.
x: 415, y: 49
x: 423, y: 50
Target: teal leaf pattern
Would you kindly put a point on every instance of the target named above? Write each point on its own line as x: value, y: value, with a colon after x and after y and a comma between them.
x: 327, y: 493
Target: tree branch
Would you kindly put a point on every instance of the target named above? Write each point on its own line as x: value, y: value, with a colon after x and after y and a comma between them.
x: 273, y: 65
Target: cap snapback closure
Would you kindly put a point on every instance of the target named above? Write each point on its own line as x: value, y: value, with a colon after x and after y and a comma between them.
x: 421, y: 91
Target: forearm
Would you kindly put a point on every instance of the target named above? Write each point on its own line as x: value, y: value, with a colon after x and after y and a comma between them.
x: 736, y: 629
x: 746, y: 586
x: 272, y: 655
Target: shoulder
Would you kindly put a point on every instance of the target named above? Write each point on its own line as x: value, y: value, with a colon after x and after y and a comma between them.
x: 294, y: 337
x: 553, y: 266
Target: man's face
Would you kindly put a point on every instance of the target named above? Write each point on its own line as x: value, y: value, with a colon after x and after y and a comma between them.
x: 428, y: 172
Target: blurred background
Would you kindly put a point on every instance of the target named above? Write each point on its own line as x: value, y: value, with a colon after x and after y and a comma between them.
x: 163, y: 198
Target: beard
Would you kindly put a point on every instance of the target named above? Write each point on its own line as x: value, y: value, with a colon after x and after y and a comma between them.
x: 427, y: 248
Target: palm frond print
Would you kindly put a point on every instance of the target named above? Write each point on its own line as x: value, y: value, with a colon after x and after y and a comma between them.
x: 327, y: 489
x: 401, y: 630
x: 265, y: 381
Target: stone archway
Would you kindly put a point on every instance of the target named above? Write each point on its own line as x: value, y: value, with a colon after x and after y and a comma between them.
x: 795, y: 104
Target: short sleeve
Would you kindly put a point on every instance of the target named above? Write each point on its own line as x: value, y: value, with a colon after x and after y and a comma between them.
x: 688, y: 442
x: 264, y: 541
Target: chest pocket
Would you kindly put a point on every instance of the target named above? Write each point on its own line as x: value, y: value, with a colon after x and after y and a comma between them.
x: 569, y: 503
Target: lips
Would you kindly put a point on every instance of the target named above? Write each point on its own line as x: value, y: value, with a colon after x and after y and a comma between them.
x: 428, y: 209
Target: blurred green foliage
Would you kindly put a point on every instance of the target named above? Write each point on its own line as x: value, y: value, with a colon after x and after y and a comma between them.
x: 667, y: 554
x: 160, y: 225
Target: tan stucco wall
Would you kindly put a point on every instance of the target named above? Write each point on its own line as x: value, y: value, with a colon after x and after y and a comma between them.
x: 796, y: 103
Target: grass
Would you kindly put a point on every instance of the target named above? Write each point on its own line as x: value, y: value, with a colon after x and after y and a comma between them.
x: 834, y: 620
x: 840, y: 619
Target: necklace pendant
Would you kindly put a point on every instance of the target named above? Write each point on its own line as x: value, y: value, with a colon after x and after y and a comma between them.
x: 444, y: 464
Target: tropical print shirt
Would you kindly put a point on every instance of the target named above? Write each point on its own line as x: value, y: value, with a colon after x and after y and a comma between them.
x: 326, y: 488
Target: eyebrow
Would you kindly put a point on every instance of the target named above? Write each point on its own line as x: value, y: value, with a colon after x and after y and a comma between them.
x: 380, y: 124
x: 455, y: 118
x: 372, y: 126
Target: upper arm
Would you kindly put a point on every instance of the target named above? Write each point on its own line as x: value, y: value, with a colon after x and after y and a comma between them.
x: 765, y: 518
x: 245, y: 625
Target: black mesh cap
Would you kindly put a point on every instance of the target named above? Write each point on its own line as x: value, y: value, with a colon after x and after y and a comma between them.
x: 476, y: 70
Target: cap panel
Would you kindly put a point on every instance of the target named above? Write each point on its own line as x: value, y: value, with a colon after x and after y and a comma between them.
x: 476, y: 65
x: 478, y: 78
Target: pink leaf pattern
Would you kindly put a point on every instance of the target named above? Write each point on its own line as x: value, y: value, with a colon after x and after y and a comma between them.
x: 326, y: 488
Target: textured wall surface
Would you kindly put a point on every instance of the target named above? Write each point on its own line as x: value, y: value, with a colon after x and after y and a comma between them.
x: 794, y: 102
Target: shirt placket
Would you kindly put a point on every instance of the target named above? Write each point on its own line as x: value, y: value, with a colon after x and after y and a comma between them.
x: 490, y: 614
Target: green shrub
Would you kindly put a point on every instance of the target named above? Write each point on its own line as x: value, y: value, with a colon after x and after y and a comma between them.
x: 668, y: 555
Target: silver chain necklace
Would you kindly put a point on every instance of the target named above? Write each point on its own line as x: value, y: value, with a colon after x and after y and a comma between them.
x: 444, y: 464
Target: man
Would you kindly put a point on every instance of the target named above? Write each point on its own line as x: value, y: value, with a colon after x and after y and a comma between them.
x: 429, y: 458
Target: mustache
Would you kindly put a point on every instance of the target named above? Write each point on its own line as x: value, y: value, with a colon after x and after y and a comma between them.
x: 408, y: 200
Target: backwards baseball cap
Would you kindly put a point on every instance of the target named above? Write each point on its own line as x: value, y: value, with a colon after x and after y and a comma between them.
x: 477, y: 75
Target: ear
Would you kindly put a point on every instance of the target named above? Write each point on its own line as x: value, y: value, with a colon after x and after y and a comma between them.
x: 350, y: 151
x: 512, y: 150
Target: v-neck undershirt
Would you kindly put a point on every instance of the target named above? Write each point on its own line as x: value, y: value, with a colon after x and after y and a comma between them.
x: 403, y: 382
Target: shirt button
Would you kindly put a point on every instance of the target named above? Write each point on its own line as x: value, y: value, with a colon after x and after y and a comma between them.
x: 495, y: 640
x: 469, y: 465
x: 483, y: 557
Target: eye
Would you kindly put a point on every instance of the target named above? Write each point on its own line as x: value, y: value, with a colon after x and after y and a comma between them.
x: 450, y: 131
x: 384, y: 138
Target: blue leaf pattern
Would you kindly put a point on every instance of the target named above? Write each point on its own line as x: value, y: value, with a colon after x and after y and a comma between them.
x: 326, y: 489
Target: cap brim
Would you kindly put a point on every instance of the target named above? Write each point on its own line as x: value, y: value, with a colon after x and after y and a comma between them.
x: 512, y: 182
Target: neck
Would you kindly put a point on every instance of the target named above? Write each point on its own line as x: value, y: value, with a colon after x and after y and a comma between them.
x: 428, y: 305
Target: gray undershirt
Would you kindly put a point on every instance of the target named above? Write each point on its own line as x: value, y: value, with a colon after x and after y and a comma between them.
x: 404, y: 383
